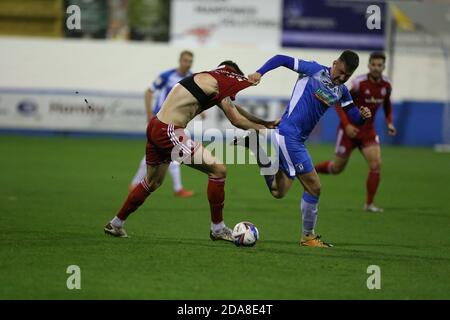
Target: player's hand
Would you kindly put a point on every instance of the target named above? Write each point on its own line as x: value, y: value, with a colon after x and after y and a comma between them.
x: 351, y: 131
x: 255, y: 78
x: 272, y: 124
x: 391, y: 129
x: 365, y: 112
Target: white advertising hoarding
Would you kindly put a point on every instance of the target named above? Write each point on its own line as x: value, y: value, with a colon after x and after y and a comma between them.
x: 100, y: 111
x: 226, y: 22
x: 67, y: 110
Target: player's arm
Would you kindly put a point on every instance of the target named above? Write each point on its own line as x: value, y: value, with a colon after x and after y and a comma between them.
x: 236, y: 118
x: 158, y: 84
x: 356, y: 115
x: 387, y: 106
x: 350, y: 130
x: 148, y: 99
x: 255, y: 119
x: 279, y: 60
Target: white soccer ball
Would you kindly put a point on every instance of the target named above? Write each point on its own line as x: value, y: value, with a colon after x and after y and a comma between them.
x: 245, y: 234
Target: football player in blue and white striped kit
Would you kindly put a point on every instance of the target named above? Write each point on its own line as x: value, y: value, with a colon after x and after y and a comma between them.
x: 161, y: 88
x: 317, y: 89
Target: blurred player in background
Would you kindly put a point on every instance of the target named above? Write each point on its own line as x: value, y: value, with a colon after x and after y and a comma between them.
x: 167, y: 141
x: 161, y: 87
x: 370, y: 90
x: 318, y: 88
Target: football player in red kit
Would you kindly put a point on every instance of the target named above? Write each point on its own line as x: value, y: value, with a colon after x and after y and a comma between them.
x: 167, y: 141
x: 370, y: 90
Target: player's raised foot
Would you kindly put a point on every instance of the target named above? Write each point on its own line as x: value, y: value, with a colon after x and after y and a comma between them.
x: 115, y: 231
x: 372, y: 208
x: 313, y: 240
x: 183, y: 193
x: 223, y: 234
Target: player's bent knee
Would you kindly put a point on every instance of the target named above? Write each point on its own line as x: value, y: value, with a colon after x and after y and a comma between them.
x: 315, y: 190
x: 375, y: 166
x: 337, y: 169
x: 277, y: 194
x: 153, y: 185
x: 219, y: 171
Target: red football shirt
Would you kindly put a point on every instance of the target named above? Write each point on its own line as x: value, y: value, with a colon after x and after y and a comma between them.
x: 367, y: 93
x: 230, y: 83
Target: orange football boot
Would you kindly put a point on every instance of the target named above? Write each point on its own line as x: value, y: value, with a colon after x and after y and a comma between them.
x: 314, y: 241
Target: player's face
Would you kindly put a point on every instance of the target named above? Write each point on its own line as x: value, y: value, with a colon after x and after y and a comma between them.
x: 339, y: 74
x: 376, y: 68
x: 186, y: 63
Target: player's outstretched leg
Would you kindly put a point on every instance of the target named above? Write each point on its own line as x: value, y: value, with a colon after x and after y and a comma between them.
x: 309, y: 207
x: 278, y: 184
x: 332, y: 167
x: 154, y: 178
x: 372, y: 154
x: 204, y: 161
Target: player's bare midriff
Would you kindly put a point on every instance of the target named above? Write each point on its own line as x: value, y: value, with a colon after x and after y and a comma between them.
x: 181, y: 106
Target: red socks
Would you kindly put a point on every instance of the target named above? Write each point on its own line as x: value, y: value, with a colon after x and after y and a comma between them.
x: 373, y: 179
x: 134, y: 200
x: 216, y: 197
x: 324, y: 167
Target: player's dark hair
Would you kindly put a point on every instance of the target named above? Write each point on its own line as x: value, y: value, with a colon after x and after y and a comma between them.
x: 232, y: 65
x: 186, y: 52
x: 377, y: 55
x: 350, y: 59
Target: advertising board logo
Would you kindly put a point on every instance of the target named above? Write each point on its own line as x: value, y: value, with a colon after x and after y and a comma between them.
x: 27, y: 108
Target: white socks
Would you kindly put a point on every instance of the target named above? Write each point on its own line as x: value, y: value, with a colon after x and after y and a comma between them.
x: 174, y: 170
x: 116, y: 222
x: 309, y: 213
x: 141, y: 173
x: 215, y: 227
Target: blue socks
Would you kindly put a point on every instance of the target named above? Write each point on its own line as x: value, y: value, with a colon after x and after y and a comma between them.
x: 309, y: 213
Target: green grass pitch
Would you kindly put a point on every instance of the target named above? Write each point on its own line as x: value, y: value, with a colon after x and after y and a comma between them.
x: 57, y: 193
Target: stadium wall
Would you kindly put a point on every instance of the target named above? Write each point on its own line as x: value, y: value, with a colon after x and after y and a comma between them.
x: 49, y: 72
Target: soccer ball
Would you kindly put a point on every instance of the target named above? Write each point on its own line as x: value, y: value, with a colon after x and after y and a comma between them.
x: 245, y: 234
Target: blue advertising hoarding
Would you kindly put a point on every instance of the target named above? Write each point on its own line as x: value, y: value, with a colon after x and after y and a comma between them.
x: 332, y: 24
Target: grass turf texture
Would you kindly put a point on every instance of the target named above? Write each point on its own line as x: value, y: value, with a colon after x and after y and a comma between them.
x: 57, y: 193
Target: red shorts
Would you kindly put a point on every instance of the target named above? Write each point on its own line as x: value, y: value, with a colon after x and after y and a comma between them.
x: 167, y: 142
x: 345, y: 144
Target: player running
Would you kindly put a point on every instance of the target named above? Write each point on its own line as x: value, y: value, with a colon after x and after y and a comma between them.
x: 161, y: 87
x: 371, y: 90
x: 317, y: 89
x: 167, y: 141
